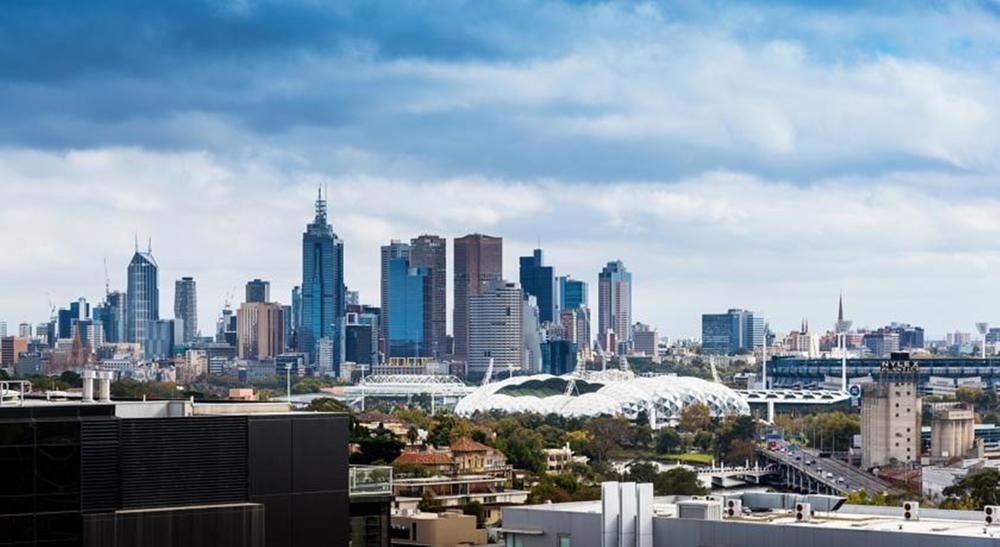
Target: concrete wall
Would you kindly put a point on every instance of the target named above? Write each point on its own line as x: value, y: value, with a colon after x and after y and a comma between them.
x: 583, y: 528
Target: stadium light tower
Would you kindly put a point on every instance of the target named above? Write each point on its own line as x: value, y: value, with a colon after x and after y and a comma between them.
x: 983, y: 327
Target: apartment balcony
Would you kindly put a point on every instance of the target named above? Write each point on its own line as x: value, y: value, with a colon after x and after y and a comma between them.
x: 370, y: 480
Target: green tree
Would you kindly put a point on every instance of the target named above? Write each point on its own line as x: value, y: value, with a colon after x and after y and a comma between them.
x: 477, y: 509
x: 326, y: 404
x: 976, y: 489
x: 668, y: 441
x: 695, y: 417
x: 446, y: 428
x: 4, y: 375
x: 412, y: 435
x: 71, y: 378
x: 522, y: 446
x: 678, y: 481
x: 641, y: 472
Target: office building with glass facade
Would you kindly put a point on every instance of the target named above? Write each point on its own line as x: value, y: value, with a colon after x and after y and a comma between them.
x: 323, y: 292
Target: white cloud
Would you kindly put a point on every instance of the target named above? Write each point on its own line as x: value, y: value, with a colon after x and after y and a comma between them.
x: 694, y: 245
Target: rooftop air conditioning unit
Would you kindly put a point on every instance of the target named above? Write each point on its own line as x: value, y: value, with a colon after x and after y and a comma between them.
x: 991, y: 514
x: 733, y: 508
x: 911, y: 510
x: 803, y: 512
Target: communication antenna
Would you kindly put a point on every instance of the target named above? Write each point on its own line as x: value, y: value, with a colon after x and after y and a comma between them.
x: 107, y: 279
x: 983, y: 327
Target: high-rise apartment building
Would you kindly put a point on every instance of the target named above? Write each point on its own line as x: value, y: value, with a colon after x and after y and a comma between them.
x: 735, y: 331
x: 614, y: 304
x: 258, y: 291
x: 323, y: 291
x: 162, y: 336
x: 24, y: 330
x: 3, y: 328
x: 572, y: 292
x: 644, y: 340
x: 575, y: 324
x: 11, y: 347
x: 495, y: 329
x: 539, y: 281
x: 142, y: 297
x: 409, y: 324
x: 260, y: 330
x: 113, y: 317
x: 431, y: 251
x: 186, y: 307
x: 394, y: 250
x: 478, y: 263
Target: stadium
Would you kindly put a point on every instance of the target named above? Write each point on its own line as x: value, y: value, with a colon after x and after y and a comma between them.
x: 598, y: 394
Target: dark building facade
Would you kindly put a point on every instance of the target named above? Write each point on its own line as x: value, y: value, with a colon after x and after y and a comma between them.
x: 478, y: 263
x: 358, y: 344
x: 558, y: 357
x: 324, y: 297
x: 78, y: 475
x: 258, y: 291
x: 539, y: 281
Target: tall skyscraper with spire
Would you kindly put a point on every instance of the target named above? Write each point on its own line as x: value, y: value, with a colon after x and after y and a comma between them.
x: 142, y: 297
x: 323, y: 292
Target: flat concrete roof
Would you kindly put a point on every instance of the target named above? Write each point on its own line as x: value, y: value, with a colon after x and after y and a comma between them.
x: 849, y: 517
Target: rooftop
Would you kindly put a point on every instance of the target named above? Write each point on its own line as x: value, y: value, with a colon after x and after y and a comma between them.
x: 848, y: 517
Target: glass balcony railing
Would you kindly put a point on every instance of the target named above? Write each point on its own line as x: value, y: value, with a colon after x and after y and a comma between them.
x: 370, y: 480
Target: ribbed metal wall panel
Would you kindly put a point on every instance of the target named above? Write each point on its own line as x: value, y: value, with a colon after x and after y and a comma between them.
x: 177, y: 461
x: 99, y: 487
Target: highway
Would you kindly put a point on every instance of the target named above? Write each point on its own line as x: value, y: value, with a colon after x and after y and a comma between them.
x: 817, y: 468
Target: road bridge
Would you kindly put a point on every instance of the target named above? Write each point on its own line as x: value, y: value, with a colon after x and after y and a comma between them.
x: 804, y: 471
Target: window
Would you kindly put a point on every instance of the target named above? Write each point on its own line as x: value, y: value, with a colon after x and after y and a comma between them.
x: 513, y: 540
x: 564, y: 541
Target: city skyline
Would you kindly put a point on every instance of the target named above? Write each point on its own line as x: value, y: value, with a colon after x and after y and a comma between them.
x: 511, y: 269
x: 805, y: 151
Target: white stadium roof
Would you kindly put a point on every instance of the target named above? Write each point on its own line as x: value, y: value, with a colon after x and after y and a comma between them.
x: 620, y: 397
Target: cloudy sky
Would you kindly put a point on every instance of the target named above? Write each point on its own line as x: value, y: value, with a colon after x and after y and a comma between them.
x: 765, y: 156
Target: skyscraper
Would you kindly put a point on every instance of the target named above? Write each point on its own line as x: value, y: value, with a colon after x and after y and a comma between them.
x: 478, y: 263
x: 258, y: 291
x: 431, y: 251
x: 572, y: 292
x: 394, y: 250
x: 296, y: 317
x: 409, y: 331
x: 260, y: 330
x: 142, y: 296
x: 732, y: 332
x: 323, y: 292
x: 186, y: 307
x: 539, y: 281
x: 495, y: 327
x: 614, y: 302
x: 112, y: 316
